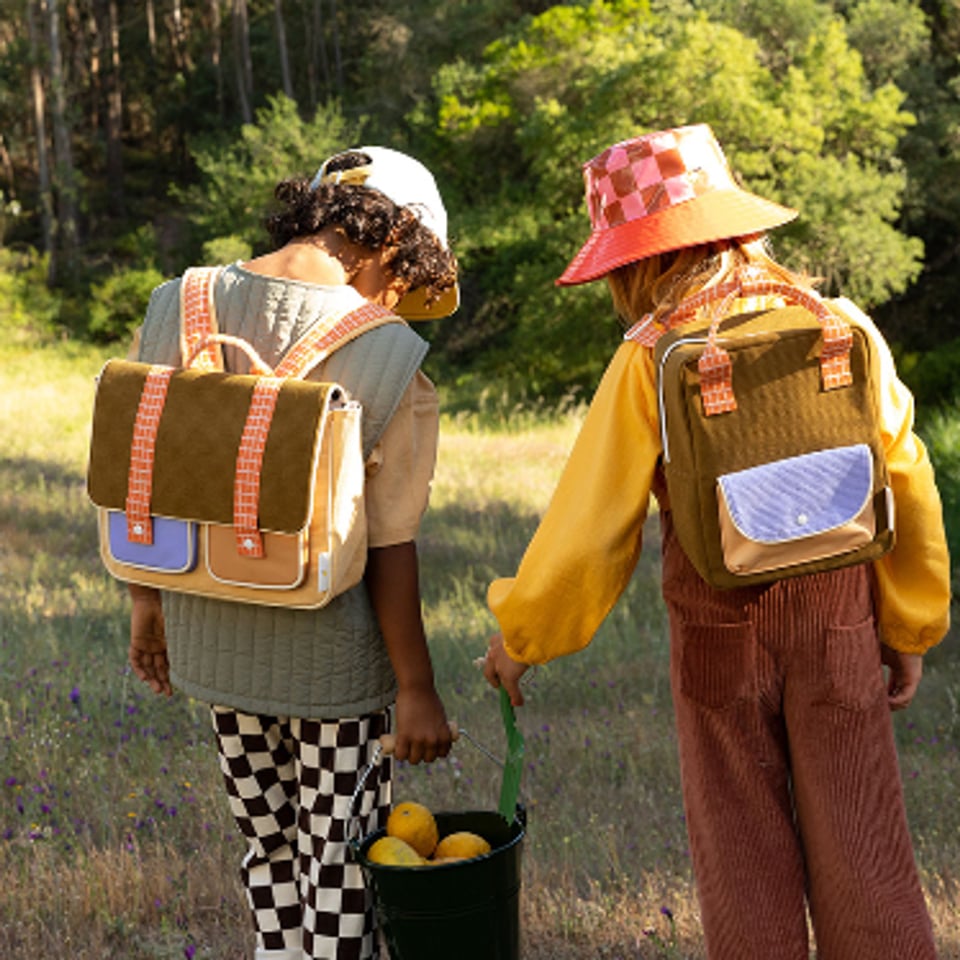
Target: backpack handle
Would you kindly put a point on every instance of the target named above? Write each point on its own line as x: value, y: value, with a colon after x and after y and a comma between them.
x: 200, y: 350
x: 716, y: 368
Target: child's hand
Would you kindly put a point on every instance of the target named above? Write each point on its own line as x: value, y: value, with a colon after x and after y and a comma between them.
x: 148, y: 642
x: 423, y: 734
x: 905, y: 670
x: 500, y: 668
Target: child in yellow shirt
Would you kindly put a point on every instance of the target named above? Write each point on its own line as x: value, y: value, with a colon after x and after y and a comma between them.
x: 789, y: 770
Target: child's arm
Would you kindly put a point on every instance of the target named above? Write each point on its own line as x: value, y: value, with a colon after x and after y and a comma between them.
x: 148, y: 641
x: 913, y: 579
x: 500, y: 669
x: 586, y: 547
x: 393, y: 584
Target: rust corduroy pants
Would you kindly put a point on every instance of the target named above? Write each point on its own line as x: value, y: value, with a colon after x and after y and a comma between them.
x: 790, y: 775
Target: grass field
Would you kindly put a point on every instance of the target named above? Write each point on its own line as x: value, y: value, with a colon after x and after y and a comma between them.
x: 114, y: 836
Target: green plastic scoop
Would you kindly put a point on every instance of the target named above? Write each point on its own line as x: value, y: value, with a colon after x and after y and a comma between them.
x: 513, y: 764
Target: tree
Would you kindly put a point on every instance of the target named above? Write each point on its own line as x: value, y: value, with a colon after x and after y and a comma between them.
x: 64, y: 174
x: 282, y: 49
x: 237, y: 179
x: 110, y: 34
x: 816, y: 136
x: 243, y: 64
x: 38, y: 98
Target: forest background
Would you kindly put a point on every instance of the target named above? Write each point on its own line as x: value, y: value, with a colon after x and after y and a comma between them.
x: 140, y: 136
x: 137, y: 138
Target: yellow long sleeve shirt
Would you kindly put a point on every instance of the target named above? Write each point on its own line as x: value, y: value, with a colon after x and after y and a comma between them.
x: 586, y: 547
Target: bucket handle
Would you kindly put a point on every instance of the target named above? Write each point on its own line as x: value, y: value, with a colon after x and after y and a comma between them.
x: 385, y: 747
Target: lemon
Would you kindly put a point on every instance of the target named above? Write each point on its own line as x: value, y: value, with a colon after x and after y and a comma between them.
x: 462, y: 845
x: 394, y: 852
x: 414, y: 823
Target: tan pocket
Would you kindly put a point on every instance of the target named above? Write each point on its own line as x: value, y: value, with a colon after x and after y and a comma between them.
x: 743, y: 555
x: 283, y: 564
x: 717, y: 663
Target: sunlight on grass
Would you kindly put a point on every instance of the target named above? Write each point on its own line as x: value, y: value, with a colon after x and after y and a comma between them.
x: 114, y: 834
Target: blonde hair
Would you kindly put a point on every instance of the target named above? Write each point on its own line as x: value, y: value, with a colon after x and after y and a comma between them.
x: 659, y: 283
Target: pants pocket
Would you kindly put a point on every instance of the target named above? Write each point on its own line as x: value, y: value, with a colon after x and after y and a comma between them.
x: 852, y: 668
x: 716, y: 663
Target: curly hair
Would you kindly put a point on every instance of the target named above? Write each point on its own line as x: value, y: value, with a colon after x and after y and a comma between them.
x: 368, y: 218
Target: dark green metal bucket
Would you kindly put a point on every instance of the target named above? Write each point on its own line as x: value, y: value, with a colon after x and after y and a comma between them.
x: 469, y: 909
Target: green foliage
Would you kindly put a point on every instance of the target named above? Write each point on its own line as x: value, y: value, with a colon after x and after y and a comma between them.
x: 811, y: 132
x: 238, y: 177
x: 139, y: 246
x: 117, y: 305
x: 846, y: 109
x: 932, y: 376
x: 224, y: 250
x: 27, y: 305
x: 891, y: 35
x: 942, y: 436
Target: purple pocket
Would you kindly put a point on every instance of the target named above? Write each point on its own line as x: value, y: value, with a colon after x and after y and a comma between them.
x: 174, y: 547
x: 801, y: 496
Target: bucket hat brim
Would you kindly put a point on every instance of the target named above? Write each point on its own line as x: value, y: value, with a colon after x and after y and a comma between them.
x: 718, y: 215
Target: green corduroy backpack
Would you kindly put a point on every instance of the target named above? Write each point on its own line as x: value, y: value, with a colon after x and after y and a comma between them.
x: 771, y: 441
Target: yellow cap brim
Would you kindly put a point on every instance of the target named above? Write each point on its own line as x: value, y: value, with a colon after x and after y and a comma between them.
x: 414, y: 305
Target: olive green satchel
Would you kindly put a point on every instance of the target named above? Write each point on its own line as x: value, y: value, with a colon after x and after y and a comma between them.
x: 244, y: 487
x: 771, y: 441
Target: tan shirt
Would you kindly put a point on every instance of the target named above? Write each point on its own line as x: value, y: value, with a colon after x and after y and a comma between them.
x: 400, y: 468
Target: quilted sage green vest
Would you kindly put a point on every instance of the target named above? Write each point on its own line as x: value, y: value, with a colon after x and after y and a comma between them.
x: 325, y: 663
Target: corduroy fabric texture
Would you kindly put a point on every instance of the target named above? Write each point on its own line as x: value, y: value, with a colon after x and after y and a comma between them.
x: 790, y: 776
x: 781, y: 411
x: 194, y: 464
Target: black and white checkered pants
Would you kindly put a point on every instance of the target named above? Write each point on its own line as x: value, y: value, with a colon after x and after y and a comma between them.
x: 289, y: 783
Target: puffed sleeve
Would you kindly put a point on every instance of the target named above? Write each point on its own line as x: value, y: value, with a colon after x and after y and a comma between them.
x: 588, y: 542
x: 913, y: 579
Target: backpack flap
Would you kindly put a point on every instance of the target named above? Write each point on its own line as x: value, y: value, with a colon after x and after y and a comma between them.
x: 797, y: 510
x: 191, y: 470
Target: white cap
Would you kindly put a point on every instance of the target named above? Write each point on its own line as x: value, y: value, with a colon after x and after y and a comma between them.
x: 408, y: 183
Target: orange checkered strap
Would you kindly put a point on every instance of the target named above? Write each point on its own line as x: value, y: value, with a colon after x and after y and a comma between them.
x: 306, y: 353
x: 198, y: 319
x: 140, y: 475
x: 246, y: 483
x: 325, y: 336
x: 716, y: 384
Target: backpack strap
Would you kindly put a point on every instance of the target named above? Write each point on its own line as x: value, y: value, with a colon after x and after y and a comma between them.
x: 198, y: 319
x: 140, y: 475
x: 198, y: 325
x: 327, y: 335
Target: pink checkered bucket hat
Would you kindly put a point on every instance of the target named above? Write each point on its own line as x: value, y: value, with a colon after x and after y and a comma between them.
x: 660, y: 192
